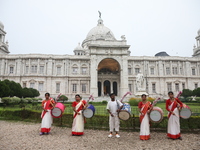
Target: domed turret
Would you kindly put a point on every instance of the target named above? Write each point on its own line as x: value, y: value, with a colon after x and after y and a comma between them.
x: 1, y: 25
x: 198, y: 32
x: 3, y: 44
x: 79, y: 50
x: 196, y: 49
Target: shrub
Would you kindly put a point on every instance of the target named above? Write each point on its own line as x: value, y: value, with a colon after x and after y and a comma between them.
x: 6, y: 100
x: 197, y: 99
x: 29, y: 100
x: 15, y: 100
x: 104, y: 102
x: 134, y: 101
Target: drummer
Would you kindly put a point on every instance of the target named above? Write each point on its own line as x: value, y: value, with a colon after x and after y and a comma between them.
x: 144, y: 108
x: 113, y: 107
x: 47, y: 106
x: 78, y: 121
x: 172, y: 106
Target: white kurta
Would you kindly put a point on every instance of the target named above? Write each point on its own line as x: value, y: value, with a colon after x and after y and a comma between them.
x: 114, y: 122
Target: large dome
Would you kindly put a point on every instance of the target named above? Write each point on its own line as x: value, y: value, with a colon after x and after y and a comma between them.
x: 162, y: 54
x: 100, y: 32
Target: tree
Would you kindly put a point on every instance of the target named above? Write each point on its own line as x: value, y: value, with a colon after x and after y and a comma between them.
x: 186, y: 93
x: 63, y: 98
x: 196, y: 92
x: 4, y: 89
x: 35, y: 93
x: 26, y: 92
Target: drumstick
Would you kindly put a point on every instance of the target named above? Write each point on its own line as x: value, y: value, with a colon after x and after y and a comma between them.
x: 125, y: 96
x: 90, y: 97
x: 154, y: 102
x: 56, y: 100
x: 179, y: 94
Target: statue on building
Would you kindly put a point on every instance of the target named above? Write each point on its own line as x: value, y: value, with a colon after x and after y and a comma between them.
x: 99, y: 14
x: 140, y: 82
x: 123, y: 37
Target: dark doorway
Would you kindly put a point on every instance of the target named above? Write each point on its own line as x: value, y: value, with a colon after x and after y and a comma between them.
x: 106, y: 87
x: 99, y: 88
x: 115, y: 88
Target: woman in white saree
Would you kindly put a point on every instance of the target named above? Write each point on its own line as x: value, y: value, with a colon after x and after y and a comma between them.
x: 172, y: 106
x: 144, y: 109
x: 47, y: 106
x: 78, y: 121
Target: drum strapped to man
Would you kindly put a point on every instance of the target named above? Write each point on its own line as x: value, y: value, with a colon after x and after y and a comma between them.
x: 125, y: 112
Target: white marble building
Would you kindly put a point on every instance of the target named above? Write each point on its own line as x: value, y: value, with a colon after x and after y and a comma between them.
x: 101, y: 64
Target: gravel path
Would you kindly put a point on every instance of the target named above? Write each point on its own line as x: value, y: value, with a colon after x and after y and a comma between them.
x: 25, y: 136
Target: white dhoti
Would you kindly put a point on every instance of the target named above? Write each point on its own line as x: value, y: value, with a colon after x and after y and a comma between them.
x: 114, y: 122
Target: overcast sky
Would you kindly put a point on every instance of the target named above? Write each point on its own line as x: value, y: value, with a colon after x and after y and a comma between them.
x: 57, y: 26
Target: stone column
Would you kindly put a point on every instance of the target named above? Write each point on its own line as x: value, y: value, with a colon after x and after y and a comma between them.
x: 102, y: 88
x: 49, y: 67
x: 2, y: 67
x: 111, y: 86
x: 123, y: 76
x: 29, y: 66
x: 93, y: 76
x: 6, y: 68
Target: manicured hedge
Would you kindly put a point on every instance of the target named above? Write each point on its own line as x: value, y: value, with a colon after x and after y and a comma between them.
x: 98, y: 121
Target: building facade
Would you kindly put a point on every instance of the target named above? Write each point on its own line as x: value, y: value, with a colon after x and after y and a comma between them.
x: 100, y: 65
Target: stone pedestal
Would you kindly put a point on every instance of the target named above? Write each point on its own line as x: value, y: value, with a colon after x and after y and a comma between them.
x: 139, y: 93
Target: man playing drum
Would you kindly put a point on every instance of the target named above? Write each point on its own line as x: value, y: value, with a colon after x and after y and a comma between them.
x: 172, y: 106
x: 113, y: 107
x: 47, y: 106
x: 144, y: 109
x: 78, y: 121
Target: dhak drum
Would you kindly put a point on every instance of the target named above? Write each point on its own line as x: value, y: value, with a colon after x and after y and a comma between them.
x: 185, y: 112
x: 125, y: 112
x: 89, y: 111
x: 156, y: 115
x: 57, y: 111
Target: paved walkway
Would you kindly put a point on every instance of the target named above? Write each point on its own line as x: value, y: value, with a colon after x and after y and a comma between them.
x: 25, y: 136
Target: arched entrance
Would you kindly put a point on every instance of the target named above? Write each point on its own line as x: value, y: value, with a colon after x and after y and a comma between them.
x: 99, y: 88
x: 106, y: 87
x: 115, y: 88
x: 108, y: 76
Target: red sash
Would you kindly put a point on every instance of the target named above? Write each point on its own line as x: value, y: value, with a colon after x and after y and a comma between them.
x: 144, y: 110
x: 173, y: 107
x: 46, y: 107
x: 80, y: 108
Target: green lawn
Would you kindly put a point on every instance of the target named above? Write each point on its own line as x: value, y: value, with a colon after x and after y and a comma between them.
x: 101, y: 109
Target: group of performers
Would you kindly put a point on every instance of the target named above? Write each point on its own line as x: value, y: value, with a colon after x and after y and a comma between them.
x: 173, y: 106
x: 113, y: 107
